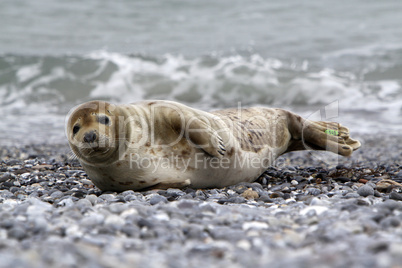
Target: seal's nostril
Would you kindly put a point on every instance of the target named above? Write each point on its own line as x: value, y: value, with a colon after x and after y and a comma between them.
x: 90, y: 136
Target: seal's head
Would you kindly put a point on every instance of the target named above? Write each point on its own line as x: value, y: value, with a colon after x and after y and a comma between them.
x: 92, y: 131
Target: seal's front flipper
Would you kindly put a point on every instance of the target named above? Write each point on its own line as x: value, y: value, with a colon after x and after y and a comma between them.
x: 329, y: 136
x: 197, y: 128
x: 204, y: 137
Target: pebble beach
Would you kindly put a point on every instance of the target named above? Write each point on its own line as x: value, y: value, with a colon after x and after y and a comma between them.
x: 303, y: 212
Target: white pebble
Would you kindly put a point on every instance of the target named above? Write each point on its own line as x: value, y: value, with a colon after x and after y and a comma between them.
x: 74, y: 231
x: 114, y: 220
x: 161, y: 217
x: 129, y: 212
x: 318, y: 210
x: 66, y: 202
x: 255, y: 225
x: 244, y: 244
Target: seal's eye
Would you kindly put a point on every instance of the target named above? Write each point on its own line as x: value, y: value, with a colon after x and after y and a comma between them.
x: 76, y: 129
x: 104, y: 120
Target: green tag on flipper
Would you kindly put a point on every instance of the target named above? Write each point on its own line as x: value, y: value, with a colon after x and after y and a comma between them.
x: 332, y: 132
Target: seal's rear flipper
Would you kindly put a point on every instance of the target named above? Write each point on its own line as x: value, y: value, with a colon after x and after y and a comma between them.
x: 330, y: 136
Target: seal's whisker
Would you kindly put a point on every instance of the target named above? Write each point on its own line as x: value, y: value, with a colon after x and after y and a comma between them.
x: 72, y: 156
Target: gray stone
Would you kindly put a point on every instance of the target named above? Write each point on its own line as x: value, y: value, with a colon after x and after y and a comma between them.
x: 365, y: 190
x: 352, y: 195
x: 17, y: 232
x: 6, y: 194
x: 114, y: 222
x: 194, y: 231
x: 156, y: 199
x: 107, y: 197
x: 117, y: 208
x: 6, y: 176
x: 390, y: 204
x: 83, y: 203
x: 95, y: 240
x: 57, y: 195
x: 131, y: 230
x: 130, y: 197
x: 174, y: 193
x: 39, y: 225
x: 236, y: 199
x: 395, y: 196
x: 390, y: 222
x: 67, y: 202
x: 313, y: 191
x: 92, y: 198
x: 92, y: 220
x: 226, y: 233
x: 128, y: 192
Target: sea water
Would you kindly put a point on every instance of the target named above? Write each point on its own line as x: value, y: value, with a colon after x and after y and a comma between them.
x: 327, y: 60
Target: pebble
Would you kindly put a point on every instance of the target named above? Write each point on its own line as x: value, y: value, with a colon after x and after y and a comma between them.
x: 117, y: 208
x: 92, y: 198
x: 174, y: 193
x: 155, y: 199
x: 68, y: 202
x: 390, y: 222
x: 57, y: 195
x: 254, y: 225
x: 313, y: 191
x: 92, y: 220
x: 396, y: 196
x: 250, y: 194
x: 6, y: 176
x: 236, y: 199
x: 365, y: 190
x: 17, y: 232
x: 107, y: 197
x: 294, y: 182
x: 352, y: 195
x: 130, y: 197
x: 83, y: 203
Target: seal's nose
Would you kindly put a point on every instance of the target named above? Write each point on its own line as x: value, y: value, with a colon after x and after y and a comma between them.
x: 90, y: 136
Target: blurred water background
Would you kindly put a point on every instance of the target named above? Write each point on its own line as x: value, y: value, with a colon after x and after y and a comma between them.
x: 299, y: 55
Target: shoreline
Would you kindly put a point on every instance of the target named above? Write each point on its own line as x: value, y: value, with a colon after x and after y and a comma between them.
x: 306, y: 211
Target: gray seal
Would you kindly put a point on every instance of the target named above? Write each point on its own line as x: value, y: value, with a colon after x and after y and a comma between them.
x: 165, y: 144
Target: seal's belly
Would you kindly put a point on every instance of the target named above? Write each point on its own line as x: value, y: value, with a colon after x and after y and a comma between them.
x: 171, y: 168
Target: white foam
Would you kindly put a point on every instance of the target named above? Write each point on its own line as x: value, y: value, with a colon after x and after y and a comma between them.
x: 27, y: 72
x: 366, y: 51
x: 203, y: 82
x: 389, y: 90
x: 130, y: 82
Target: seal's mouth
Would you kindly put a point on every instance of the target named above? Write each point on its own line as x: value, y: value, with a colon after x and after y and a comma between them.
x: 94, y: 150
x: 94, y: 145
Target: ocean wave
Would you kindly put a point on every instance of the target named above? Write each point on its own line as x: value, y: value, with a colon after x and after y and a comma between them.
x: 205, y: 81
x: 32, y: 85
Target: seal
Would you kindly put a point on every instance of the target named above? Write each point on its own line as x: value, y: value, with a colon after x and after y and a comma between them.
x: 164, y: 144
